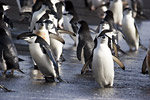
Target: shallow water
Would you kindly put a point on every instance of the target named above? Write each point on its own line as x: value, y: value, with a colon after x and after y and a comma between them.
x: 128, y: 84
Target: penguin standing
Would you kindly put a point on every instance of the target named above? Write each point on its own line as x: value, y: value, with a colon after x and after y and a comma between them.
x: 42, y: 55
x: 70, y: 19
x: 102, y: 63
x: 129, y: 30
x: 8, y: 53
x: 86, y: 43
x: 37, y: 15
x: 116, y: 6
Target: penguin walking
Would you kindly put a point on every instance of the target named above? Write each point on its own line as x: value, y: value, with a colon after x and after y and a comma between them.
x: 86, y: 43
x: 130, y: 31
x: 116, y: 6
x: 9, y: 56
x: 37, y: 15
x: 71, y: 19
x: 102, y: 63
x: 42, y: 55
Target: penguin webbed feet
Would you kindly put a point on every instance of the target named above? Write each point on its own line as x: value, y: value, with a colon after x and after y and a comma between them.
x: 52, y: 79
x: 49, y: 79
x: 146, y: 72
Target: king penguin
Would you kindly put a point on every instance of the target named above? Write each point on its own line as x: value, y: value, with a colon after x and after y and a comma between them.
x: 102, y: 63
x: 9, y: 56
x: 86, y: 43
x: 42, y: 55
x: 129, y: 30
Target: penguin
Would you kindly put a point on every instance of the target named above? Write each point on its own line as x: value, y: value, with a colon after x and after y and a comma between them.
x: 86, y: 43
x: 41, y: 53
x: 60, y: 6
x: 3, y: 8
x: 46, y: 5
x: 102, y: 62
x: 71, y: 19
x: 130, y: 31
x: 55, y: 45
x: 116, y: 6
x: 37, y: 15
x: 8, y: 53
x: 146, y: 62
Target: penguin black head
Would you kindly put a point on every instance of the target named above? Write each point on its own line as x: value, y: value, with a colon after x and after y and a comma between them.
x: 109, y: 15
x: 83, y: 27
x: 82, y: 23
x: 127, y: 10
x: 103, y: 33
x: 68, y: 5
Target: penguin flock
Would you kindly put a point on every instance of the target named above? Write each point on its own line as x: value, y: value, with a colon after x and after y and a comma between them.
x: 52, y: 19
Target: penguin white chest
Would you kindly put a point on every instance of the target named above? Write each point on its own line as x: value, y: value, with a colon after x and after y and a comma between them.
x: 67, y: 24
x: 130, y: 32
x: 103, y: 66
x: 43, y: 62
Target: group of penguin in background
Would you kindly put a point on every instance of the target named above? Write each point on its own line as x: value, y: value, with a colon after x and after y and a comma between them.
x: 50, y: 19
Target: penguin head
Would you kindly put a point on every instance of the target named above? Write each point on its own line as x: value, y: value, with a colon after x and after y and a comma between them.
x: 104, y: 25
x: 3, y: 6
x: 40, y: 25
x: 28, y: 36
x: 68, y: 5
x: 127, y: 11
x: 108, y: 15
x: 82, y: 26
x: 104, y: 36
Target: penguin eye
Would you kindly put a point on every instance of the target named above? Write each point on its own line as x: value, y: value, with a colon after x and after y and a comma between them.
x: 103, y: 37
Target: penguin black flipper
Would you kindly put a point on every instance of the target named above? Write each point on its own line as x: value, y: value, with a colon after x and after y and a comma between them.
x: 144, y: 67
x: 5, y: 89
x: 80, y: 46
x: 48, y: 51
x: 57, y: 37
x: 8, y: 21
x: 87, y: 63
x: 118, y: 62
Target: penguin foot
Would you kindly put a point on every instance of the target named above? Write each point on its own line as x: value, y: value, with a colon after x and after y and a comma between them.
x: 146, y: 72
x: 49, y: 79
